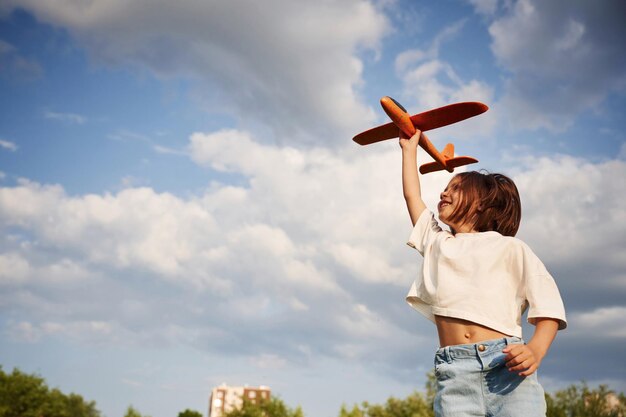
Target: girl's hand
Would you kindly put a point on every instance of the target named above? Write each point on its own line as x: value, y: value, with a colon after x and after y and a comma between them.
x: 521, y: 358
x: 412, y: 142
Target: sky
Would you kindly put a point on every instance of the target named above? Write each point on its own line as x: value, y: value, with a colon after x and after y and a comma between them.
x: 181, y: 203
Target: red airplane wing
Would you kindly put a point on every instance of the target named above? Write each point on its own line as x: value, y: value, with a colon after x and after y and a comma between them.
x: 425, y: 121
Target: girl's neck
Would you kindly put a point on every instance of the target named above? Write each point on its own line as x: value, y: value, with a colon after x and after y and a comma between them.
x: 463, y: 228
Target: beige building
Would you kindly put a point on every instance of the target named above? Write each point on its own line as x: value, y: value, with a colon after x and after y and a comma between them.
x: 224, y: 398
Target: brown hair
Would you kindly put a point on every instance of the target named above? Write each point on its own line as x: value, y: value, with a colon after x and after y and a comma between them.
x: 488, y: 202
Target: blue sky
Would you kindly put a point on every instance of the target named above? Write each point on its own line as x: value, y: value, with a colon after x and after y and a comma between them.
x: 181, y: 203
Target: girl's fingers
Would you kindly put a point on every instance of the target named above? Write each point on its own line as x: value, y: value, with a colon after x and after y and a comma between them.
x: 518, y: 364
x: 515, y: 353
x: 529, y: 371
x: 513, y: 349
x: 517, y: 359
x: 527, y: 364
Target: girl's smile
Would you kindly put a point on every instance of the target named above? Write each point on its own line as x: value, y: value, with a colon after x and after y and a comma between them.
x: 447, y: 203
x: 443, y: 204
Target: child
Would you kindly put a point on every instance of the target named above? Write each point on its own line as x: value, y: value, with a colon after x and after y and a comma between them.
x: 475, y: 283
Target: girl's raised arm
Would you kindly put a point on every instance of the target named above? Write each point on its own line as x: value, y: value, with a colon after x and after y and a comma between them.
x: 410, y: 179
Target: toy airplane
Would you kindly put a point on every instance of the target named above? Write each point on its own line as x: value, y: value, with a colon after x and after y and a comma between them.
x: 428, y: 120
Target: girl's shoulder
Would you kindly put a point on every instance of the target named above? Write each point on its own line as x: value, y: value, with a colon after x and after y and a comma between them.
x: 524, y: 253
x: 500, y: 244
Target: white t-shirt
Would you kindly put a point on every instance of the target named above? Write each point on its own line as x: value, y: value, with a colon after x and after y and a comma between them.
x: 484, y: 277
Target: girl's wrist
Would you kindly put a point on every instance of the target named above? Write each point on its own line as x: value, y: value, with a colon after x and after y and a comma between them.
x: 538, y: 350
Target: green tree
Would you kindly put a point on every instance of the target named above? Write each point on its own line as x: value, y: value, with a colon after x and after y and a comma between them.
x: 24, y: 395
x: 133, y: 412
x: 21, y: 394
x: 356, y: 411
x: 273, y: 407
x: 189, y: 413
x: 415, y: 405
x: 581, y: 401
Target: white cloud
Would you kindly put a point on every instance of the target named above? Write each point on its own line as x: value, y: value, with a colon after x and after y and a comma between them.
x: 131, y: 383
x: 565, y: 57
x: 70, y: 118
x: 409, y: 57
x: 130, y: 181
x: 168, y: 151
x: 81, y: 330
x: 295, y: 67
x: 365, y: 323
x: 412, y: 56
x: 24, y: 331
x: 13, y: 268
x: 486, y: 7
x: 8, y: 145
x: 268, y: 361
x: 602, y: 322
x: 146, y: 222
x: 276, y: 249
x: 574, y: 209
x: 364, y: 265
x: 125, y: 135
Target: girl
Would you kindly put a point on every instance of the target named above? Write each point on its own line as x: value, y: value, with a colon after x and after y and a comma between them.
x: 475, y: 283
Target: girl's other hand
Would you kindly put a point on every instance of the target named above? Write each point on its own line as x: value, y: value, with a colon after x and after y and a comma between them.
x: 521, y: 358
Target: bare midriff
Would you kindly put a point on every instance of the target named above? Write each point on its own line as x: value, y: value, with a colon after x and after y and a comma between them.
x: 453, y: 331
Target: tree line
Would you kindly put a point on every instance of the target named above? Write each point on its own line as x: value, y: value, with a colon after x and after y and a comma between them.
x: 28, y: 395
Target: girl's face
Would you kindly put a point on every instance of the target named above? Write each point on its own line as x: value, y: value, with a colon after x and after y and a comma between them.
x: 449, y: 200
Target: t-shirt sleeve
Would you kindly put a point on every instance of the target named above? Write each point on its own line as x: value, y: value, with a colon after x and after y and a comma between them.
x: 542, y: 293
x: 425, y: 229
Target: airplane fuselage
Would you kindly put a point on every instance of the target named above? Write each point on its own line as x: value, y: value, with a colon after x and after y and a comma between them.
x: 401, y: 118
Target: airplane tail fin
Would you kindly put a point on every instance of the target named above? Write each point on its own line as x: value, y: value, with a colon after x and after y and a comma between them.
x: 448, y: 151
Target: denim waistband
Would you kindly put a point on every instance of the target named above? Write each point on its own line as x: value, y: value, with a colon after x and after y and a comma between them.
x: 473, y: 350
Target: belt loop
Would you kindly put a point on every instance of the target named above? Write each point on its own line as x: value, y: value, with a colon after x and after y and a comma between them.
x: 512, y: 340
x: 447, y: 355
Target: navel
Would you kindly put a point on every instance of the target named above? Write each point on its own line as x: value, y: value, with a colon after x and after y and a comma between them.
x: 467, y: 335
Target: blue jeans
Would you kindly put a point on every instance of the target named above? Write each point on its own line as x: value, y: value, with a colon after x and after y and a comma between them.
x: 472, y: 380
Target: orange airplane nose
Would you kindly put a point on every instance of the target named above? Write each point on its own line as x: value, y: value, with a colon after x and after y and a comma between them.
x: 398, y: 114
x: 387, y: 101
